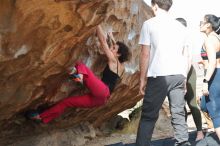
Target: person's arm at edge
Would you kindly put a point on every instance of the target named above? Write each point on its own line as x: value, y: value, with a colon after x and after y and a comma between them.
x: 144, y: 62
x: 188, y: 55
x: 211, y: 52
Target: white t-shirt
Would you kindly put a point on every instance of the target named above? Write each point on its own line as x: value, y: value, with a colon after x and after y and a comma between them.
x: 194, y: 44
x: 166, y: 38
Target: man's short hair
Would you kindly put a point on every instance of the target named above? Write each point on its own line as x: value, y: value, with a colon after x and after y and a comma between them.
x: 182, y: 20
x: 163, y: 4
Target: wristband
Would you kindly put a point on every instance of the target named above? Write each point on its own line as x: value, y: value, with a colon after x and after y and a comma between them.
x: 205, y: 81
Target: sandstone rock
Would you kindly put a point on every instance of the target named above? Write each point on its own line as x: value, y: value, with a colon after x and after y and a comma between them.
x: 40, y: 39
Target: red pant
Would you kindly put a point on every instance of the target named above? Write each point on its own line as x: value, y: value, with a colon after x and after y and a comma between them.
x: 98, y: 95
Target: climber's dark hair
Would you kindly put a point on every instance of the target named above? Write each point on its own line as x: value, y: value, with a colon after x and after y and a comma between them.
x: 124, y: 52
x: 214, y: 21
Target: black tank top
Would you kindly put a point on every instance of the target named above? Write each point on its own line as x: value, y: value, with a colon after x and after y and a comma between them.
x: 110, y: 78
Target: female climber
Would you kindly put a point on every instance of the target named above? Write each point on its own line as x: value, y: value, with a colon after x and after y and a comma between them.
x: 99, y: 90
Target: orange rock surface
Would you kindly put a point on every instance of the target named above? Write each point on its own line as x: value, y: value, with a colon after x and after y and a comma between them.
x: 40, y: 39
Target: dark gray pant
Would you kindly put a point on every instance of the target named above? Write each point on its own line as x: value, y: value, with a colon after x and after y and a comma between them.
x: 156, y: 91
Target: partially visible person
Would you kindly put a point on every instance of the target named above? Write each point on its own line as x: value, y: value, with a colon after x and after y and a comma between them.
x: 201, y: 97
x: 162, y: 73
x: 202, y: 103
x: 190, y: 96
x: 99, y: 90
x: 210, y: 127
x: 211, y: 59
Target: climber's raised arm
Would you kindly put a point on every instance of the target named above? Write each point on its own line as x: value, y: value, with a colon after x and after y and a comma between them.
x: 104, y: 45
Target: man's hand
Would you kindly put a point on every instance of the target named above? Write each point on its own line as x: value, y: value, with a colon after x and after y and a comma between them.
x: 142, y: 86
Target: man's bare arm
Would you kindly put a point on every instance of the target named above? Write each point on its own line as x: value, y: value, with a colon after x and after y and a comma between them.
x: 144, y: 61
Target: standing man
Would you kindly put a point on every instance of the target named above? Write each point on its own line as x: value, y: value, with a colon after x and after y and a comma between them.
x: 162, y: 40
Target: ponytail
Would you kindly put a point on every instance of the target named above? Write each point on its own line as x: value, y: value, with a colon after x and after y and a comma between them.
x: 218, y: 29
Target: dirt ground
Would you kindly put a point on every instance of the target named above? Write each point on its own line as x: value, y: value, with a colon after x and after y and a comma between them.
x: 128, y: 135
x: 163, y: 129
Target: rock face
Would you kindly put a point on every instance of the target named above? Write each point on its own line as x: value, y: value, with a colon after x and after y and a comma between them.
x: 40, y: 39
